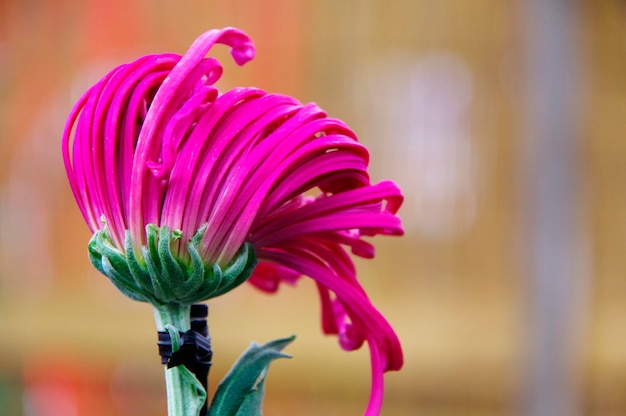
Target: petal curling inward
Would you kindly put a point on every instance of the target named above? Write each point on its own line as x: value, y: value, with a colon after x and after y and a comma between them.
x: 104, y: 125
x: 366, y: 323
x: 177, y: 87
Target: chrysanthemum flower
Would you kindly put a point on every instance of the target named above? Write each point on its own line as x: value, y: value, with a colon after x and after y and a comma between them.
x: 185, y: 183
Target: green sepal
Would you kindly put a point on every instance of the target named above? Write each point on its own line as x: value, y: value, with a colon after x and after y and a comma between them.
x: 159, y: 290
x: 238, y: 271
x: 95, y: 256
x: 212, y: 280
x: 139, y: 272
x: 161, y: 277
x: 121, y: 281
x: 152, y: 232
x: 240, y: 393
x: 171, y: 270
x: 196, y: 270
x: 112, y: 263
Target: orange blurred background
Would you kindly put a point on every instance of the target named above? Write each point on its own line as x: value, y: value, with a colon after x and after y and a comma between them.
x: 503, y: 123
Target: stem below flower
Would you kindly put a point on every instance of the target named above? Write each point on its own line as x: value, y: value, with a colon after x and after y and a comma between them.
x: 184, y: 392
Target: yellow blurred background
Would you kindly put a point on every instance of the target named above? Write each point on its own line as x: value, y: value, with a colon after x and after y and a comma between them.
x: 502, y: 121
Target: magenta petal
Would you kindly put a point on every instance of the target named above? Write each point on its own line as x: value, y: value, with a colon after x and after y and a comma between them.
x: 360, y: 309
x: 268, y: 276
x: 375, y: 403
x: 148, y: 191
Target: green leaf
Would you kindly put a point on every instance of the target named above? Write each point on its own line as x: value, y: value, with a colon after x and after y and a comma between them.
x: 241, y: 391
x: 253, y: 402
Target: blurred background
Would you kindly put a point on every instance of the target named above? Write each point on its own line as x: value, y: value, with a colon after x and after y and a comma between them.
x: 503, y: 123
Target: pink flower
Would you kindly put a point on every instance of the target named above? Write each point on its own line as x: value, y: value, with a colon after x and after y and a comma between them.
x: 155, y: 144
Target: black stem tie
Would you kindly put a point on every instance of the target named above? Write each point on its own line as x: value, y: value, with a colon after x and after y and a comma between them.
x: 195, y: 347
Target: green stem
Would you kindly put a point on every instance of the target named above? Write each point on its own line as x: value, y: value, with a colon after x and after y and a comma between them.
x: 182, y: 386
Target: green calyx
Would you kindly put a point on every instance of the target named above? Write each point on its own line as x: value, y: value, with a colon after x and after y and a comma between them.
x: 160, y: 277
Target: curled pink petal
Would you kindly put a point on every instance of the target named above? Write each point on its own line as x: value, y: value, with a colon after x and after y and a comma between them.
x: 268, y: 277
x: 375, y: 403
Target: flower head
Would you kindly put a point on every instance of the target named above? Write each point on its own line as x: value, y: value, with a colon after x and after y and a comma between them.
x: 157, y: 159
